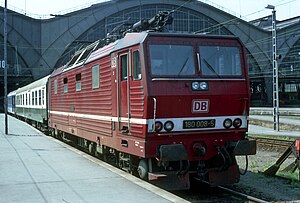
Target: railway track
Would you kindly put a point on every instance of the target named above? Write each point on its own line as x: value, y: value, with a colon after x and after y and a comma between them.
x: 204, y: 193
x: 272, y: 144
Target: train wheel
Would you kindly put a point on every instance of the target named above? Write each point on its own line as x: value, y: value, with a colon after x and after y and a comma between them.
x: 143, y: 169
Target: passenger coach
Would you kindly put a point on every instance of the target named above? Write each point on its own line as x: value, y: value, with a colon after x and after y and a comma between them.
x: 11, y: 102
x: 31, y: 102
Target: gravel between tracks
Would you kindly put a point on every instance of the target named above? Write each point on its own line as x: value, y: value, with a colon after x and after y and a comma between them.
x: 272, y: 189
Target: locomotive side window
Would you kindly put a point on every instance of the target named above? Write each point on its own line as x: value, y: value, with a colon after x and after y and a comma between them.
x: 172, y: 60
x: 137, y: 74
x: 220, y: 61
x: 65, y: 85
x: 55, y: 89
x: 95, y: 76
x: 78, y: 82
x: 124, y: 64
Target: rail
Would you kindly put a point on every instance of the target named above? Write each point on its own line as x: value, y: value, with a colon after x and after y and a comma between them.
x: 251, y: 198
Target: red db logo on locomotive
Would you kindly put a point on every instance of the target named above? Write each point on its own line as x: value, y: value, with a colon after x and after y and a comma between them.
x: 200, y: 106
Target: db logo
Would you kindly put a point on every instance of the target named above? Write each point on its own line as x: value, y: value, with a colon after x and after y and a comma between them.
x: 200, y: 106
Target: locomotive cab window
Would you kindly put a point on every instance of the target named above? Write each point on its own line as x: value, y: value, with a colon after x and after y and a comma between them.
x: 172, y: 60
x: 220, y: 61
x: 78, y: 82
x: 124, y: 65
x: 137, y: 74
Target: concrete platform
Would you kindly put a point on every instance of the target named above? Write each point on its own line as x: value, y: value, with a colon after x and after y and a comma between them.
x: 269, y: 111
x: 37, y: 168
x: 259, y: 130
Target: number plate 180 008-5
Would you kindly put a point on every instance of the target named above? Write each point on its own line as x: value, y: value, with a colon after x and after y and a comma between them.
x: 189, y: 124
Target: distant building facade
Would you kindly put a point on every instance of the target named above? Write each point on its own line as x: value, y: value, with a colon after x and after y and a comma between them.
x: 38, y: 46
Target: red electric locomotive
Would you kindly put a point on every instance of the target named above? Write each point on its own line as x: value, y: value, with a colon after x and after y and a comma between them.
x: 169, y: 106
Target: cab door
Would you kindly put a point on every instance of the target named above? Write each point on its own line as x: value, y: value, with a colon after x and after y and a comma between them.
x: 124, y: 94
x: 130, y: 100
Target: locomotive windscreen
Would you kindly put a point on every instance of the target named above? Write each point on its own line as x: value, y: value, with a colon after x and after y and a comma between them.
x: 220, y: 61
x: 175, y: 60
x: 179, y: 60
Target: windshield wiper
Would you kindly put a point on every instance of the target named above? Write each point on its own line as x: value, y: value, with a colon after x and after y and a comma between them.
x: 183, y: 65
x: 211, y: 68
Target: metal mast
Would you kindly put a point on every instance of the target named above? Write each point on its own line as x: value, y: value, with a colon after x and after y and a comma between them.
x: 5, y: 67
x: 275, y: 70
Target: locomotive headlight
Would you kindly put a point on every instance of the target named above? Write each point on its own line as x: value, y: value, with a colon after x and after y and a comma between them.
x: 203, y: 85
x: 195, y: 85
x: 227, y: 123
x: 158, y: 126
x: 199, y: 86
x: 169, y: 125
x: 237, y: 122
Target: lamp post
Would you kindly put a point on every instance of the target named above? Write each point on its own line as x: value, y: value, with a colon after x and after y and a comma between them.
x: 275, y: 70
x: 5, y: 66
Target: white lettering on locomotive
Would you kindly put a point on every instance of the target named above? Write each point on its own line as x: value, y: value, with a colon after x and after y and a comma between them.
x: 200, y: 106
x: 114, y: 62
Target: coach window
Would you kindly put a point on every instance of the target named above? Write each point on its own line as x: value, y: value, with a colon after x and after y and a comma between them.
x: 32, y: 98
x: 95, y: 76
x: 55, y: 88
x: 40, y: 97
x: 137, y: 75
x: 26, y: 100
x: 78, y: 82
x: 35, y: 98
x: 43, y: 97
x: 29, y: 99
x: 65, y: 85
x: 124, y: 64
